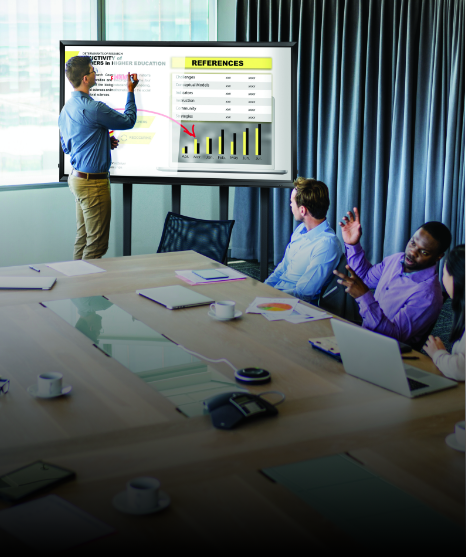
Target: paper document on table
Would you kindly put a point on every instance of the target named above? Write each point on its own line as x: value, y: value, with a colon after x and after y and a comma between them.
x: 300, y: 314
x: 192, y: 279
x: 51, y: 524
x: 273, y: 308
x: 74, y: 268
x: 304, y: 314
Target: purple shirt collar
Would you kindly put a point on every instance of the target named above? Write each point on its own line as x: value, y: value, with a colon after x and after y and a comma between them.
x: 418, y: 276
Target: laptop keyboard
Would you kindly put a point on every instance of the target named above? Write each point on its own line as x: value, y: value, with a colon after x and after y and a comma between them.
x: 415, y: 385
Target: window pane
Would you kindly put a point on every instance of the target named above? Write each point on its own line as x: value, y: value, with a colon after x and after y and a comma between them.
x: 157, y: 20
x: 30, y: 31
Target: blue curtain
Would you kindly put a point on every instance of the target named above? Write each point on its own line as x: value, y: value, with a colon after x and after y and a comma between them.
x: 380, y: 115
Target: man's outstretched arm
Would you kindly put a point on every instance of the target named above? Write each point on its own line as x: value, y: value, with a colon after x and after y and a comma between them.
x: 351, y: 232
x: 112, y: 119
x: 419, y: 309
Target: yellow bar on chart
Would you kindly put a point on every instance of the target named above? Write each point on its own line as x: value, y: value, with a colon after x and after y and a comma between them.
x: 195, y: 146
x: 257, y: 141
x: 232, y: 147
x: 220, y: 145
x: 244, y: 143
x: 207, y: 145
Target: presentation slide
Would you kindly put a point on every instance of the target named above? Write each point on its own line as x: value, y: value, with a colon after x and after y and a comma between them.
x: 205, y: 111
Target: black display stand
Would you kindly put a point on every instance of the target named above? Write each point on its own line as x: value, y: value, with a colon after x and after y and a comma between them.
x: 127, y: 217
x: 223, y: 206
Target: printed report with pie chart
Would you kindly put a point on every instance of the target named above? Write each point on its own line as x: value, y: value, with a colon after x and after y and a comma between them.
x: 273, y: 306
x: 203, y: 109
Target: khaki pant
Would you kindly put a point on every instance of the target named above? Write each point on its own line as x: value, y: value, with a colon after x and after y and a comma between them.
x: 93, y: 210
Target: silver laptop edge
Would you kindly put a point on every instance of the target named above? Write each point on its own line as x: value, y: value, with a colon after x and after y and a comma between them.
x: 27, y: 283
x: 377, y: 359
x: 175, y: 297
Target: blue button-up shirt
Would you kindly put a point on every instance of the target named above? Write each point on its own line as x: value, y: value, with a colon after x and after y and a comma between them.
x: 309, y: 260
x: 84, y: 124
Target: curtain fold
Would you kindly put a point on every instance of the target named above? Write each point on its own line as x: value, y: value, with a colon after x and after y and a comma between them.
x: 380, y: 116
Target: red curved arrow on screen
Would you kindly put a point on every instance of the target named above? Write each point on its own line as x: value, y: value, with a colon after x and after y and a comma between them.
x: 191, y: 133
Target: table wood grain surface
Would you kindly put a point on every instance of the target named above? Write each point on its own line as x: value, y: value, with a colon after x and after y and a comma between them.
x: 114, y: 427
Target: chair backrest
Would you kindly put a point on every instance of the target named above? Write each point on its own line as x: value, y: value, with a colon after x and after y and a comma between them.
x: 334, y: 299
x: 207, y: 237
x: 420, y: 345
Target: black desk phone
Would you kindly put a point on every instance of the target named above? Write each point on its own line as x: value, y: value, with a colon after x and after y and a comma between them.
x: 229, y: 410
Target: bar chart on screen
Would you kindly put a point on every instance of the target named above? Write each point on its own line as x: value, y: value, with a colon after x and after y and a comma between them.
x: 232, y: 114
x: 218, y: 143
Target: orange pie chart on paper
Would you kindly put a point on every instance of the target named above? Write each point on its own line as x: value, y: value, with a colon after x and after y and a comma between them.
x: 274, y: 307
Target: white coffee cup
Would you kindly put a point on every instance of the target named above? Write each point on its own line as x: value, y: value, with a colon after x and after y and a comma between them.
x: 460, y: 434
x: 49, y: 384
x: 143, y: 493
x: 224, y: 309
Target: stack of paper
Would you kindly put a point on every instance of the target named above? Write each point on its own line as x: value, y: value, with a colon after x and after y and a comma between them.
x: 288, y: 309
x: 75, y: 268
x: 192, y: 279
x: 303, y: 314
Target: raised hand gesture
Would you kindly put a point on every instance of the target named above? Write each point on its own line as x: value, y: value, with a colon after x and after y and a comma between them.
x: 351, y: 228
x: 354, y: 286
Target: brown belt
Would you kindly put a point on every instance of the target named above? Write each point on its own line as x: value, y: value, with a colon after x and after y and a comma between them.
x: 89, y: 176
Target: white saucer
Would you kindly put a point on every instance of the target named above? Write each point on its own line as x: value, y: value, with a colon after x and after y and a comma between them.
x: 120, y: 502
x: 451, y: 441
x: 32, y: 390
x: 212, y: 314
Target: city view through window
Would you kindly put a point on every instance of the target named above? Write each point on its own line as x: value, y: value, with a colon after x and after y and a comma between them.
x: 30, y: 31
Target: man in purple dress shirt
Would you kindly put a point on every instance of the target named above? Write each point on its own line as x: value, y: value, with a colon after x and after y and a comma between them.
x: 408, y: 296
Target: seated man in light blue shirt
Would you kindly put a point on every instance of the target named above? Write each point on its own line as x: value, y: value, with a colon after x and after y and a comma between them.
x: 314, y: 250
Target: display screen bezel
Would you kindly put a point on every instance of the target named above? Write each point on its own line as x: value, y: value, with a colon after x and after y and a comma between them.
x: 179, y: 178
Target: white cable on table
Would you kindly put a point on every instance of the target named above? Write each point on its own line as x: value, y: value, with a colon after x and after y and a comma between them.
x: 208, y: 359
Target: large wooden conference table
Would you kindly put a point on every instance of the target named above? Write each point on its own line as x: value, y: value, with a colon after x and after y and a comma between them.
x: 114, y: 427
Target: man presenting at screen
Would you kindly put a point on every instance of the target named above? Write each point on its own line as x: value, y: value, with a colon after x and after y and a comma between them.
x: 84, y: 133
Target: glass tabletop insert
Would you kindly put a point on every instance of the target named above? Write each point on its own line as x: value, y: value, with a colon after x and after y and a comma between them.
x: 182, y: 378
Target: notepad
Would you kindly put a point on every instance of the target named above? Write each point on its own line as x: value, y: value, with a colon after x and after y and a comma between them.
x: 27, y: 283
x: 367, y: 507
x: 75, y: 268
x: 192, y: 278
x: 51, y: 524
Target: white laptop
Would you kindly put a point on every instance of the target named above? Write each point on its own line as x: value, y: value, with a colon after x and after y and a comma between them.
x: 377, y: 359
x: 27, y: 283
x: 175, y: 297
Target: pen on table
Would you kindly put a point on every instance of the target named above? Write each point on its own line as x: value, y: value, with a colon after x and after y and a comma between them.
x: 410, y: 357
x: 34, y: 269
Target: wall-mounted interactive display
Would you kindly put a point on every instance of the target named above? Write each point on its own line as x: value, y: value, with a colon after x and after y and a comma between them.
x: 207, y: 112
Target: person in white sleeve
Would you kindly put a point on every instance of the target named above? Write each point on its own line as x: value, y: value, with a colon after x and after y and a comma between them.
x: 452, y: 365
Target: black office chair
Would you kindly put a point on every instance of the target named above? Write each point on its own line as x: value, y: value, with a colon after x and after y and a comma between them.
x: 420, y: 345
x: 334, y: 299
x: 207, y: 237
